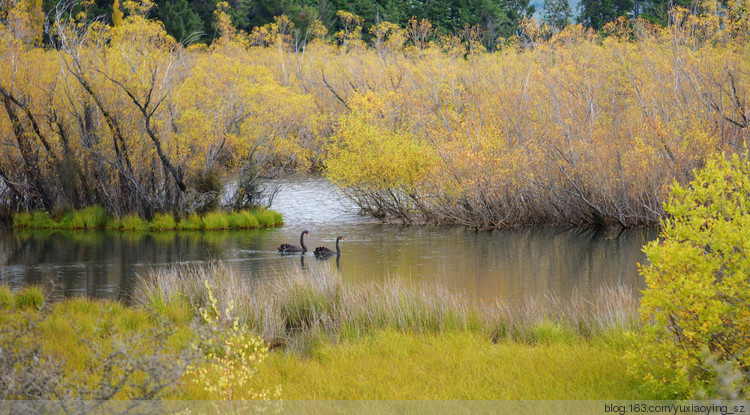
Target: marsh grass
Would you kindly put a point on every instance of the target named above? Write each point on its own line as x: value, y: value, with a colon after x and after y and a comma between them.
x: 82, y: 349
x: 390, y: 364
x: 295, y: 309
x: 94, y: 217
x: 7, y: 298
x: 30, y: 296
x: 162, y: 222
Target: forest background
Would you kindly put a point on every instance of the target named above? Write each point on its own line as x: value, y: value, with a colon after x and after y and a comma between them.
x: 468, y: 112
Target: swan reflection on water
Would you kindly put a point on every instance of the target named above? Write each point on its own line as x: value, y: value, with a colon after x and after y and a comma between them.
x: 326, y: 257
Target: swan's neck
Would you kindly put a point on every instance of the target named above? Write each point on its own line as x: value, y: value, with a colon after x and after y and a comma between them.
x: 302, y: 241
x: 338, y: 250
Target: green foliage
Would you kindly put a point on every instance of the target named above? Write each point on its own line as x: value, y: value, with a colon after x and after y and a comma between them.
x: 179, y: 18
x: 42, y: 220
x: 162, y: 222
x: 557, y: 13
x: 7, y: 299
x: 31, y: 296
x: 237, y: 220
x: 94, y: 217
x: 22, y: 220
x: 698, y: 299
x: 267, y: 218
x: 215, y: 220
x: 251, y: 220
x: 132, y: 222
x: 550, y: 332
x: 597, y: 13
x: 191, y: 223
x: 657, y: 11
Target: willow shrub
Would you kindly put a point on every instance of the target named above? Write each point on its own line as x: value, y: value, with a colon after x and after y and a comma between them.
x: 698, y: 295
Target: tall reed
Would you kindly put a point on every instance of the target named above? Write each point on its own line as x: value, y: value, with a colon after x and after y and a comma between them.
x: 289, y: 308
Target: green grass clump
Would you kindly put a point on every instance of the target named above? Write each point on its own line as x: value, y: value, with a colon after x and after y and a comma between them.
x: 215, y: 221
x: 250, y: 219
x: 31, y: 296
x: 132, y: 222
x: 22, y: 220
x: 7, y: 299
x: 191, y: 223
x: 237, y: 221
x: 162, y: 222
x: 267, y: 218
x: 42, y: 220
x: 94, y: 217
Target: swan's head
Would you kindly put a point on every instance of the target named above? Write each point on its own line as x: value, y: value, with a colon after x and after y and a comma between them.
x: 340, y: 238
x: 306, y: 233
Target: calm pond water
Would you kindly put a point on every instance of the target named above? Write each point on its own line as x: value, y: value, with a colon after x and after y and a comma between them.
x: 510, y: 265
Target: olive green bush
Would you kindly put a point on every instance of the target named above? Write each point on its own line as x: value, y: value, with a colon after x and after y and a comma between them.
x: 697, y: 305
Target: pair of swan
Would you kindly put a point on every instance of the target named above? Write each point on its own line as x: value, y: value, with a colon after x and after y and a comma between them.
x: 319, y: 251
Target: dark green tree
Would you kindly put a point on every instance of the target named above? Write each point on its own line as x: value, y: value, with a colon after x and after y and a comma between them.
x: 597, y: 13
x: 179, y: 19
x: 557, y: 13
x: 657, y: 11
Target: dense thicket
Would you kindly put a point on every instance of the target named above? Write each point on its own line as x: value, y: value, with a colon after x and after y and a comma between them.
x: 556, y: 127
x: 193, y: 20
x: 126, y: 118
x: 699, y: 293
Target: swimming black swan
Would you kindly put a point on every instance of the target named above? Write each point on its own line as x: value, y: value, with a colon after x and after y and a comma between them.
x: 294, y: 248
x: 323, y: 251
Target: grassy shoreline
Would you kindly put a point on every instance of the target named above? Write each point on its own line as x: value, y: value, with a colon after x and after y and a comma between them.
x: 377, y: 341
x: 95, y: 217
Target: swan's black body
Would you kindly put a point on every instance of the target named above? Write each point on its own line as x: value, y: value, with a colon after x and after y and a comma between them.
x: 323, y: 251
x: 294, y: 248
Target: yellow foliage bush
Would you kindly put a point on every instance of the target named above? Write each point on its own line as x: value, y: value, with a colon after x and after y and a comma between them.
x: 697, y: 304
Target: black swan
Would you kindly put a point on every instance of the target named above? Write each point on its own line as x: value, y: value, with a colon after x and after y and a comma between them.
x: 323, y: 251
x: 294, y: 248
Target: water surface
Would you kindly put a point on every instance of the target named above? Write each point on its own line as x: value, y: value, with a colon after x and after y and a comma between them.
x: 487, y: 266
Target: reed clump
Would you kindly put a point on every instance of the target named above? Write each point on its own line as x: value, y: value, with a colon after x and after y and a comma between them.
x: 94, y: 217
x: 293, y: 309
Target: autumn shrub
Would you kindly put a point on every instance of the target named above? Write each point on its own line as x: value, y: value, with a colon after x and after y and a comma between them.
x: 697, y: 304
x: 379, y: 165
x: 232, y: 354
